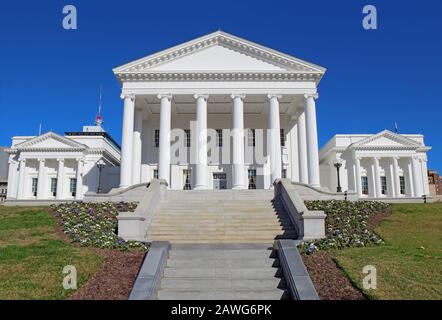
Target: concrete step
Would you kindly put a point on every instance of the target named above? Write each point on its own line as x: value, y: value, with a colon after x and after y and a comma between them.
x: 213, y: 240
x: 277, y: 294
x: 210, y: 283
x: 224, y: 233
x: 210, y: 228
x: 217, y: 223
x: 221, y: 263
x: 221, y: 273
x: 222, y: 253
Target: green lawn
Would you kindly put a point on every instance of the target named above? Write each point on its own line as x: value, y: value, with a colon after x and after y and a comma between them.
x: 32, y: 256
x: 409, y: 264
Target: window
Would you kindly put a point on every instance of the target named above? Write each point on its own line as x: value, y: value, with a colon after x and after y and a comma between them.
x: 364, y: 182
x: 187, y: 175
x: 384, y: 185
x: 73, y: 186
x: 157, y: 138
x: 155, y: 174
x: 34, y: 186
x: 402, y: 184
x: 252, y: 178
x: 251, y: 137
x: 187, y: 132
x: 54, y: 186
x: 284, y: 173
x: 219, y: 140
x: 282, y: 137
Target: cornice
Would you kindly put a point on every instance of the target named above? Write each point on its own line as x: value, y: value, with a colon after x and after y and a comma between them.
x: 50, y: 149
x: 218, y: 76
x: 383, y: 148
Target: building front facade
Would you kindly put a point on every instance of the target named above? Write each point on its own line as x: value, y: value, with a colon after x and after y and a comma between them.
x: 219, y: 112
x: 383, y: 165
x: 54, y: 167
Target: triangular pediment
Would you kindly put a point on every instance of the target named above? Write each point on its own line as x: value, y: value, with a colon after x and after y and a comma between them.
x: 386, y: 139
x: 218, y: 52
x: 217, y: 58
x: 50, y: 140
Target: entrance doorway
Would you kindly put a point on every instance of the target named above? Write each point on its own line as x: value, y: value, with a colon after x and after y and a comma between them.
x: 252, y: 178
x: 219, y: 181
x: 187, y: 183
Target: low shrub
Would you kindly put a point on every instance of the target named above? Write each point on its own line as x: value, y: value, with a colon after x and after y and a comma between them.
x: 346, y: 224
x: 95, y: 224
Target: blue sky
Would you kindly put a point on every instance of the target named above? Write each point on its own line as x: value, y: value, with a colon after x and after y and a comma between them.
x: 375, y: 78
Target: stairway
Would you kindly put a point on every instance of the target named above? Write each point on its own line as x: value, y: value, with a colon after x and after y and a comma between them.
x: 227, y: 216
x: 222, y: 272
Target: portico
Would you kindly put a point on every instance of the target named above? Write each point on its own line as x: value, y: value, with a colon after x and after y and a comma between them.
x: 227, y: 116
x: 383, y: 165
x: 243, y: 110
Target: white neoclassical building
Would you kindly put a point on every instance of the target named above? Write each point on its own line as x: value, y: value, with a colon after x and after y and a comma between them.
x: 246, y: 113
x: 222, y: 112
x: 383, y: 165
x: 219, y: 112
x: 54, y: 167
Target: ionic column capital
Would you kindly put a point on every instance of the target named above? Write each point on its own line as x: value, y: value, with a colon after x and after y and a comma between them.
x: 311, y: 95
x: 60, y: 160
x: 271, y: 96
x: 130, y: 96
x: 41, y: 160
x: 238, y: 95
x: 201, y: 95
x: 167, y: 96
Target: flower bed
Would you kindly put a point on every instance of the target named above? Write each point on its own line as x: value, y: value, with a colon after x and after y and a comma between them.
x: 346, y: 224
x: 95, y: 224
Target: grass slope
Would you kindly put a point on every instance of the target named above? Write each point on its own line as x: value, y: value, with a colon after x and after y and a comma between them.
x: 409, y: 264
x: 32, y: 256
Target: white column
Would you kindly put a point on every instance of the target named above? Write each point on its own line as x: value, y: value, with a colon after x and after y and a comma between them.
x: 397, y: 184
x: 79, y: 178
x: 60, y: 179
x: 417, y: 181
x: 312, y: 140
x: 425, y: 186
x: 238, y: 141
x: 302, y: 149
x: 12, y: 179
x: 127, y: 141
x: 357, y: 162
x: 136, y: 155
x: 377, y: 177
x: 164, y: 150
x: 294, y: 165
x: 391, y: 185
x: 21, y: 179
x: 410, y: 192
x: 41, y: 178
x: 201, y: 180
x: 274, y: 141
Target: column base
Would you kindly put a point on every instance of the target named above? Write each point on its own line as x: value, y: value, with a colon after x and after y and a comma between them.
x: 239, y: 187
x: 315, y: 185
x: 200, y: 188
